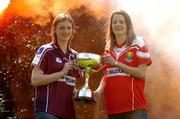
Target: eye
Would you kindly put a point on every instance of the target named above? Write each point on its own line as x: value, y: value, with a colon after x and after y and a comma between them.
x: 69, y: 27
x: 114, y: 22
x: 121, y: 22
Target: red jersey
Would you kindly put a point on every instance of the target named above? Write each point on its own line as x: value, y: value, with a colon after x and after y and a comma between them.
x: 123, y: 92
x: 55, y: 98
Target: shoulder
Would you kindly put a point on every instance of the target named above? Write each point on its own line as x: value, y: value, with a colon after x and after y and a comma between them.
x: 44, y: 48
x: 139, y: 41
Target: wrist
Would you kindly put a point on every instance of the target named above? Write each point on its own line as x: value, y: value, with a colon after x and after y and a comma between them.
x: 99, y: 90
x: 62, y: 73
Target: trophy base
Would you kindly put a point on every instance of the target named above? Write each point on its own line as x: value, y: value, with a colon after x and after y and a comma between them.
x: 85, y: 99
x: 84, y: 95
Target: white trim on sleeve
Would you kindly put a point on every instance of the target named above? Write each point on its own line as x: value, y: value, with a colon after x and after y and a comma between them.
x: 143, y: 54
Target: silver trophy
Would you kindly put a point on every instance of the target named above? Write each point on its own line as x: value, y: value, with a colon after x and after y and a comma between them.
x: 87, y: 61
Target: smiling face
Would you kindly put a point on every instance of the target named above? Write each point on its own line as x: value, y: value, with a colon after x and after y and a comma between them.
x: 119, y: 24
x: 64, y: 30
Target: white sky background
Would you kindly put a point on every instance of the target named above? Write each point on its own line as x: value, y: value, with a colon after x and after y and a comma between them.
x: 161, y: 20
x: 158, y: 21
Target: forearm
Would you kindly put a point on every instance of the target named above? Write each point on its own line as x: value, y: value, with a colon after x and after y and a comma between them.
x: 101, y: 86
x: 138, y: 72
x: 44, y: 79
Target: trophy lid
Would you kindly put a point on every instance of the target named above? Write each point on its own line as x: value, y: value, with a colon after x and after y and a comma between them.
x: 88, y: 60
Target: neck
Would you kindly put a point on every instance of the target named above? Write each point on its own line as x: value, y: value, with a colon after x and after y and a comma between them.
x: 63, y: 45
x: 120, y: 39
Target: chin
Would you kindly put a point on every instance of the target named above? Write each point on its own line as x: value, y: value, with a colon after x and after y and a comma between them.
x: 65, y: 39
x: 119, y: 34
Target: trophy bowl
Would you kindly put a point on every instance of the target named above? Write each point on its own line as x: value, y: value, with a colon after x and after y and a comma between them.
x: 87, y: 61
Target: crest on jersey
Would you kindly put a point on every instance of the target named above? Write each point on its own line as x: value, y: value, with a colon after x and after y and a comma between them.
x: 58, y: 60
x: 129, y: 56
x: 72, y: 58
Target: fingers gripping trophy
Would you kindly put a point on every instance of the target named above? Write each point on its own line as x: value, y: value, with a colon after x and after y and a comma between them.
x: 87, y: 61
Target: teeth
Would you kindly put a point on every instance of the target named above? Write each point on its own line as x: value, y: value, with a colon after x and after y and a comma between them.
x: 66, y: 35
x: 119, y: 28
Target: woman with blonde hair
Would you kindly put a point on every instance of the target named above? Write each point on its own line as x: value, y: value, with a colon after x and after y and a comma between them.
x: 53, y: 74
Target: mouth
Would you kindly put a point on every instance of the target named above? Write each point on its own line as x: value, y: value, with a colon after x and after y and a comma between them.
x: 118, y: 28
x: 66, y: 35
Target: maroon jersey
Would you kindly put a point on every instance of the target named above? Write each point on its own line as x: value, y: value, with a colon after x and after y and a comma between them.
x: 56, y: 98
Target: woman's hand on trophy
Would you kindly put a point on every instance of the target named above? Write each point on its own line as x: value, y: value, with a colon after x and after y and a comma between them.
x: 75, y: 92
x: 108, y: 60
x: 93, y: 70
x: 97, y: 95
x: 75, y: 66
x: 67, y: 67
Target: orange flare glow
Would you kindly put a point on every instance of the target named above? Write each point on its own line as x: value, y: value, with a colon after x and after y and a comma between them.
x: 4, y: 4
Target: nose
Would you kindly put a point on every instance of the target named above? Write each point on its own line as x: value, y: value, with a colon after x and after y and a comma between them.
x: 66, y: 30
x: 118, y: 23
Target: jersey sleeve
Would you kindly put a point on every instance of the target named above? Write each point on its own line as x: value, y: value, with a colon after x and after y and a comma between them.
x: 40, y: 58
x: 142, y: 54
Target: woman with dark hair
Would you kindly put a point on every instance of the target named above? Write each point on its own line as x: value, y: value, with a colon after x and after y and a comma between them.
x: 54, y: 73
x: 125, y: 60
